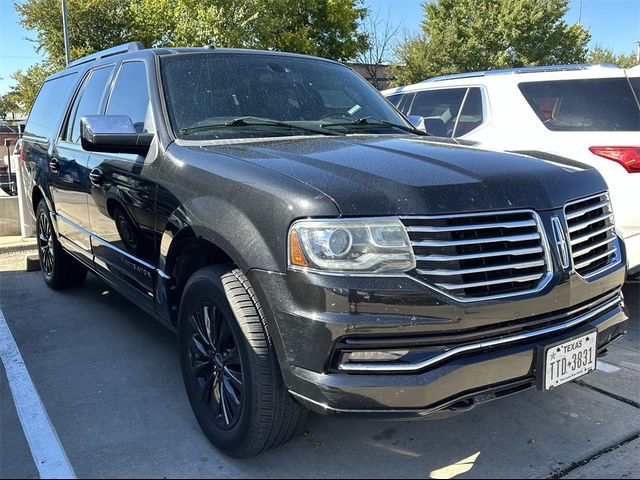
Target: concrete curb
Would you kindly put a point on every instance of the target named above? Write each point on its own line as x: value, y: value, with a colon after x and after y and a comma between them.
x: 18, y: 247
x: 32, y: 263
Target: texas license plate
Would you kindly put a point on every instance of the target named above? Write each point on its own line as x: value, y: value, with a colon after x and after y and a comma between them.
x: 569, y: 360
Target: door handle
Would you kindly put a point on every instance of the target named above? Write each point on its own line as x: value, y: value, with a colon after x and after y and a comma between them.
x: 54, y: 165
x: 96, y: 177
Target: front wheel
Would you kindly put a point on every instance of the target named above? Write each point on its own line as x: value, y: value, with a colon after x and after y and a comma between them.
x: 229, y: 366
x: 59, y: 269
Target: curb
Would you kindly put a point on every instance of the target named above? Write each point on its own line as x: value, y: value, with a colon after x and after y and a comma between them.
x: 18, y: 247
x: 32, y: 263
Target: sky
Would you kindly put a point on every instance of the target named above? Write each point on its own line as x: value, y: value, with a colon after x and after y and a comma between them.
x: 614, y: 24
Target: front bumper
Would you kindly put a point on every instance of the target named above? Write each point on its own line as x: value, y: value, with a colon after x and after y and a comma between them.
x: 495, y: 344
x: 457, y: 383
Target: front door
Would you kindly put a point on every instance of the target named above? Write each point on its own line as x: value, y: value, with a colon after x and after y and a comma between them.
x: 122, y: 192
x: 69, y: 166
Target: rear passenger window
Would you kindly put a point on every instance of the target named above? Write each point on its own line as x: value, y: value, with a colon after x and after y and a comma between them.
x: 130, y: 95
x: 88, y: 101
x: 439, y: 108
x: 471, y: 115
x: 598, y: 104
x: 43, y: 119
x: 635, y: 84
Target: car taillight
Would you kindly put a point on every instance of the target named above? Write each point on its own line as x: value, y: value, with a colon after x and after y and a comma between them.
x: 628, y: 157
x: 21, y: 157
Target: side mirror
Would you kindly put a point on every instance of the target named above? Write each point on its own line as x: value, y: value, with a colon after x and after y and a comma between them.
x: 113, y: 134
x: 417, y: 121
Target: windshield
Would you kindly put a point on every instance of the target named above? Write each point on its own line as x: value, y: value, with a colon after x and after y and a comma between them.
x: 206, y: 92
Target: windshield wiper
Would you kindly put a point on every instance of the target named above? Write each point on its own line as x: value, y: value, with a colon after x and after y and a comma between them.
x: 370, y: 121
x: 253, y: 121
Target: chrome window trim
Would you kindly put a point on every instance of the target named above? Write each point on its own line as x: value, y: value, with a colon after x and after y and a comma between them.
x: 413, y: 367
x: 109, y: 245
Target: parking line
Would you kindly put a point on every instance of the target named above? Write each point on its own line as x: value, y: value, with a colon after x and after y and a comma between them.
x: 46, y: 449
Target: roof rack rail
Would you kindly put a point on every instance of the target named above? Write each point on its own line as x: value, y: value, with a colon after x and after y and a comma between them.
x: 124, y: 48
x: 533, y: 69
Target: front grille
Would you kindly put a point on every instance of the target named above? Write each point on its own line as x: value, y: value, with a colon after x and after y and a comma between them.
x: 480, y: 256
x: 591, y: 233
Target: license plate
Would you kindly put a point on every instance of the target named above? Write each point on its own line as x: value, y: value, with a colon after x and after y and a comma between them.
x: 569, y: 360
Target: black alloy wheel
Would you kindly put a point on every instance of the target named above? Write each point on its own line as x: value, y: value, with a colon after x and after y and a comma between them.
x: 60, y: 270
x: 229, y: 365
x: 216, y: 365
x: 45, y: 244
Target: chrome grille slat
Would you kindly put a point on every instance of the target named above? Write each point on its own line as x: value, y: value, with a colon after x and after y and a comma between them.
x: 448, y: 258
x: 589, y: 222
x: 460, y: 286
x: 584, y: 251
x: 445, y: 272
x: 609, y: 251
x: 473, y: 241
x: 480, y: 256
x: 581, y: 212
x: 459, y: 228
x: 586, y: 236
x: 591, y: 234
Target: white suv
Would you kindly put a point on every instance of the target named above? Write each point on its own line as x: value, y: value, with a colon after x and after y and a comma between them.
x: 589, y: 113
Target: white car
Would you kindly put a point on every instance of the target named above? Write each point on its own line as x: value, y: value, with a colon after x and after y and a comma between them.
x: 588, y: 113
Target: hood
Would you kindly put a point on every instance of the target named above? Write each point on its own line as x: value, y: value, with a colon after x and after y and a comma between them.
x: 387, y: 175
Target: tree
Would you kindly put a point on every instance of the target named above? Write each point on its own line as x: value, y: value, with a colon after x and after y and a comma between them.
x: 8, y: 105
x: 382, y: 35
x: 327, y: 28
x: 469, y: 35
x: 600, y: 54
x: 321, y: 27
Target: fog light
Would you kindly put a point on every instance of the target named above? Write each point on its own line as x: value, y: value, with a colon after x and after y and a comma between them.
x: 389, y: 356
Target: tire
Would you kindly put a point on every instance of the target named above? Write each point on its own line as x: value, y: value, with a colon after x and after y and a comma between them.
x: 59, y: 269
x: 233, y: 344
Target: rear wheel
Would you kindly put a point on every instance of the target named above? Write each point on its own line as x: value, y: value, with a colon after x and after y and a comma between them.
x: 59, y: 269
x: 229, y: 366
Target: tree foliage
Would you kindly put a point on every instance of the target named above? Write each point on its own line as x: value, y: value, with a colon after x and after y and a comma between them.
x: 470, y: 35
x: 8, y: 105
x: 327, y: 28
x: 600, y: 54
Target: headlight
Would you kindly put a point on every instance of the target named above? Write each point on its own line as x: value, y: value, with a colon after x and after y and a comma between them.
x: 351, y: 246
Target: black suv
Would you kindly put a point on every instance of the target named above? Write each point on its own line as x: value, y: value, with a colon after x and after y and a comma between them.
x: 311, y: 249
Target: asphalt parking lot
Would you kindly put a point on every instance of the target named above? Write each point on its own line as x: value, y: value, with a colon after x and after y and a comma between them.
x: 109, y: 380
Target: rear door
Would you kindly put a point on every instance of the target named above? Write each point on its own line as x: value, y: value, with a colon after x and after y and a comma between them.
x: 42, y: 129
x: 68, y: 172
x: 122, y: 195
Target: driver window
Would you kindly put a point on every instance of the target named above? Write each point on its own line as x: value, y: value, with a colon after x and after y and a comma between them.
x: 130, y: 96
x: 88, y: 101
